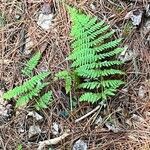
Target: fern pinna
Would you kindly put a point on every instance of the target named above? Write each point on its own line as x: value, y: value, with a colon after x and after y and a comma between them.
x: 31, y: 88
x: 92, y: 51
x: 31, y: 64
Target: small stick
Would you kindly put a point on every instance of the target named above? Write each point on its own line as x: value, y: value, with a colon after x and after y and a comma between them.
x: 54, y: 141
x: 88, y: 114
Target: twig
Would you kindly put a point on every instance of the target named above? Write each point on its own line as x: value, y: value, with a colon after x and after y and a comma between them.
x: 52, y: 141
x: 88, y: 114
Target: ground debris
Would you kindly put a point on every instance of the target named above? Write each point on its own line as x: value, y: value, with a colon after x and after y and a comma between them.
x: 5, y: 109
x: 56, y: 129
x: 112, y: 127
x: 35, y: 115
x: 80, y: 145
x: 54, y: 141
x: 34, y: 130
x: 45, y: 17
x: 135, y: 16
x: 126, y: 55
x: 141, y: 92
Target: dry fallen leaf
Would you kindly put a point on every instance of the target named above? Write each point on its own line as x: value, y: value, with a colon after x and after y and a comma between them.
x: 135, y: 16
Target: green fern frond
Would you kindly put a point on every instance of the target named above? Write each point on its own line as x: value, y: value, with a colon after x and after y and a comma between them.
x: 92, y: 73
x: 100, y: 65
x: 94, y: 97
x: 31, y: 64
x: 67, y: 77
x: 90, y: 97
x: 24, y: 99
x: 99, y: 84
x: 27, y: 86
x: 91, y: 57
x: 44, y: 101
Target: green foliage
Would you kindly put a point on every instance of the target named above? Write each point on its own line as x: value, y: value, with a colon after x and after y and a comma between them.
x: 31, y: 64
x: 92, y: 56
x: 44, y: 101
x: 26, y: 86
x: 31, y: 88
x: 19, y: 147
x: 67, y: 77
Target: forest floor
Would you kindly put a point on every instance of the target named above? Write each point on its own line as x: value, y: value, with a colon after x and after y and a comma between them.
x: 123, y: 122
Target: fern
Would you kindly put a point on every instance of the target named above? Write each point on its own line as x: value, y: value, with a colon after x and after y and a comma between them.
x: 26, y: 86
x: 67, y: 77
x: 44, y: 101
x: 31, y: 64
x: 24, y: 99
x: 31, y: 88
x: 92, y: 56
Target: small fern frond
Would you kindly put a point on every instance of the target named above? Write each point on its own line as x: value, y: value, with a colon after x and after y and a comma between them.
x: 101, y: 64
x: 110, y: 54
x: 90, y: 85
x: 31, y: 64
x: 68, y: 79
x: 92, y: 73
x: 44, y: 101
x: 24, y: 99
x: 27, y: 86
x: 90, y: 97
x: 101, y: 84
x: 111, y: 83
x: 111, y: 44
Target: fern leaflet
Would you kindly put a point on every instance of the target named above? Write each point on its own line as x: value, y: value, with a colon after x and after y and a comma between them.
x: 31, y: 64
x: 44, y: 101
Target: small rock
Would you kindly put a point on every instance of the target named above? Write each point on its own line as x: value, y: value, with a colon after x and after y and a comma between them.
x: 34, y: 130
x: 45, y: 21
x: 35, y: 115
x: 17, y: 17
x: 55, y: 128
x: 79, y: 145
